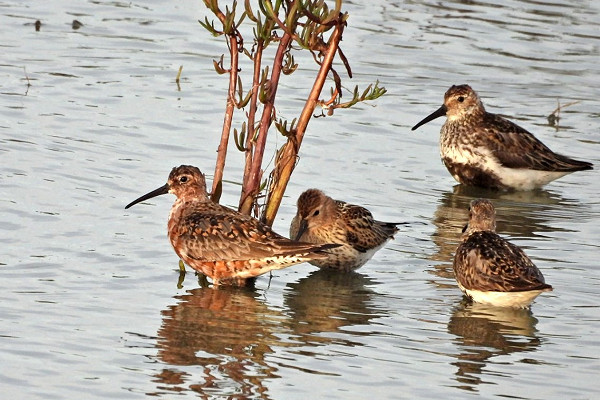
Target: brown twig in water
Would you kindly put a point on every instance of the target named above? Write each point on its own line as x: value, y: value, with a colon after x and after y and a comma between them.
x: 286, y: 157
x: 229, y: 108
x: 247, y: 198
x: 554, y: 116
x: 177, y: 78
x: 305, y: 23
x: 255, y: 173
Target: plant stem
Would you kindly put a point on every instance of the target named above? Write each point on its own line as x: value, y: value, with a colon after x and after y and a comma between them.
x: 255, y: 174
x: 246, y: 196
x: 229, y: 108
x: 287, y: 155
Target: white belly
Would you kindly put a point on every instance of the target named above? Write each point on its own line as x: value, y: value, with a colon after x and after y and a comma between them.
x: 503, y: 299
x: 515, y: 178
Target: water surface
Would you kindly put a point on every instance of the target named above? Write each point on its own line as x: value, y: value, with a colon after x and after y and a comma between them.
x: 91, y: 119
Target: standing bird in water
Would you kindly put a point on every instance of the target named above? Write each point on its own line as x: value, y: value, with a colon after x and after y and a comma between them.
x: 491, y: 270
x: 321, y: 219
x: 487, y: 150
x: 221, y: 243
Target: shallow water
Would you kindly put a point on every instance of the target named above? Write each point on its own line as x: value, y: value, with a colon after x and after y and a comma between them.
x: 90, y: 303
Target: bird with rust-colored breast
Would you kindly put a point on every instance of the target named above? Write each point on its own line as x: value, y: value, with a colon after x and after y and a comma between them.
x: 225, y: 245
x: 491, y: 270
x: 486, y: 150
x: 321, y: 219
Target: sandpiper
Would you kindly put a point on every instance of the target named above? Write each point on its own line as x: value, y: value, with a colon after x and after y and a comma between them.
x: 321, y: 219
x: 487, y: 150
x: 491, y: 270
x: 223, y: 244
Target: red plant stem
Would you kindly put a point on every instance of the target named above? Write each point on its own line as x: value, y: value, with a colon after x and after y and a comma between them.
x: 233, y: 77
x: 265, y: 122
x: 246, y: 196
x: 287, y: 155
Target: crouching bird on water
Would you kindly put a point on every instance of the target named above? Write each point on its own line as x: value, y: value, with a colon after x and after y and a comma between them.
x: 225, y: 245
x: 491, y: 270
x: 321, y: 219
x: 486, y: 150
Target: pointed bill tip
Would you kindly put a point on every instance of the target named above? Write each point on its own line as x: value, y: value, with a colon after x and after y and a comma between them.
x: 301, y: 229
x: 440, y: 112
x: 156, y: 192
x: 464, y: 228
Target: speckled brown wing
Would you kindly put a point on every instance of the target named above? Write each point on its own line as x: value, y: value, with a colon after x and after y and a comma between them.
x: 364, y: 232
x: 486, y: 262
x: 515, y: 147
x: 212, y: 232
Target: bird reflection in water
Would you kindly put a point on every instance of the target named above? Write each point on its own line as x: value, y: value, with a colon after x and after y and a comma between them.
x: 483, y: 332
x: 327, y: 301
x: 226, y: 331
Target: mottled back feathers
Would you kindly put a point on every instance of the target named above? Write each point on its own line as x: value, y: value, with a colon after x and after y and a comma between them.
x: 486, y: 265
x: 487, y: 150
x: 223, y: 244
x: 321, y: 219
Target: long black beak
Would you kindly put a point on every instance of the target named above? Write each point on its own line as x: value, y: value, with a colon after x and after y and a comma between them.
x: 301, y: 229
x: 440, y: 112
x: 464, y: 229
x: 156, y: 192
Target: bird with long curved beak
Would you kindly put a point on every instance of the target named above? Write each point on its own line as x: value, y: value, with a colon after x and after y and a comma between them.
x: 221, y: 243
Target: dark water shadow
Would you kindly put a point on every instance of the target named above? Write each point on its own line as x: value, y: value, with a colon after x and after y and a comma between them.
x: 326, y: 302
x: 226, y: 332
x: 483, y: 332
x: 528, y: 214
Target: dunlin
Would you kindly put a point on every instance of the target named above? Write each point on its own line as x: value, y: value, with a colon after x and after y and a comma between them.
x: 223, y: 244
x: 491, y: 270
x: 487, y: 150
x: 321, y: 219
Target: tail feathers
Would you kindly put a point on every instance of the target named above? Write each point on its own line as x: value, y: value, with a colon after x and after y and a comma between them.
x: 390, y: 228
x: 544, y: 287
x: 305, y: 250
x: 326, y: 246
x: 568, y: 164
x: 320, y: 251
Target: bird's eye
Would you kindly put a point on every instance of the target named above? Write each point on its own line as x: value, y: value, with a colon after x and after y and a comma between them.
x: 461, y: 99
x: 316, y: 213
x: 183, y: 179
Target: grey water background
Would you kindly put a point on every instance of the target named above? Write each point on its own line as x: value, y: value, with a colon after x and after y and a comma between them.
x: 89, y: 303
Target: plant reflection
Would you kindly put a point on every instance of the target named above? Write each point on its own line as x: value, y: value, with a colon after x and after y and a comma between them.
x: 483, y: 332
x: 228, y: 331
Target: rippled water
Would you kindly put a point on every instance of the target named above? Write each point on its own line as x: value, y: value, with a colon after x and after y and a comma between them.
x: 91, y: 118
